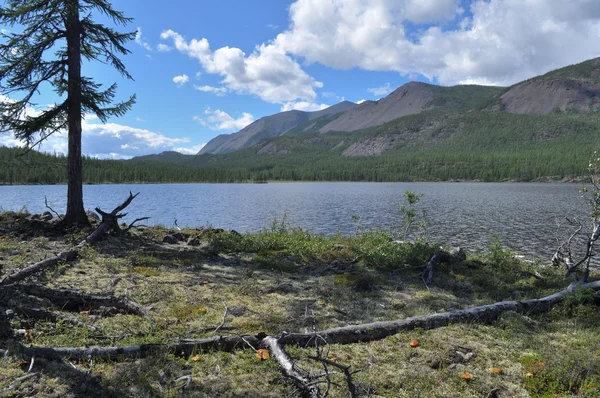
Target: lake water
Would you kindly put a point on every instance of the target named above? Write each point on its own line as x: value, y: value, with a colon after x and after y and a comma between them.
x: 524, y: 215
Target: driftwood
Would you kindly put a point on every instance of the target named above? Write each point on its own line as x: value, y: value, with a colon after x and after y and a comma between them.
x: 342, y: 335
x: 110, y: 221
x: 68, y: 299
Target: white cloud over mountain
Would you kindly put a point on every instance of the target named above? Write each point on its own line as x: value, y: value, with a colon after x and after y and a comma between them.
x: 303, y: 106
x: 219, y: 120
x: 499, y: 42
x: 112, y: 140
x: 383, y: 90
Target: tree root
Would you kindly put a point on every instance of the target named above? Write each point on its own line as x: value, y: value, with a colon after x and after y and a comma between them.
x: 342, y: 335
x: 68, y: 299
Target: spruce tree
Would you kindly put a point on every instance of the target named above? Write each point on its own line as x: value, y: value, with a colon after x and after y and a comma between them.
x: 51, y: 39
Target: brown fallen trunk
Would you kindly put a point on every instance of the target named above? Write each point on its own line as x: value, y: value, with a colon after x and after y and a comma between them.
x: 343, y: 335
x: 62, y: 257
x: 74, y: 300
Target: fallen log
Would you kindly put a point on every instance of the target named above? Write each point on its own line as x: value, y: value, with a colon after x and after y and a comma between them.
x: 342, y: 335
x: 62, y: 257
x: 68, y: 299
x: 109, y: 222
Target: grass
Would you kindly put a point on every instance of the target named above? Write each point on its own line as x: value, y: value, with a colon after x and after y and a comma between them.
x: 283, y: 279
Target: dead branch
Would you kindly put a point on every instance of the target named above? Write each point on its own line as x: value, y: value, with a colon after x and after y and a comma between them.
x: 224, y: 317
x: 62, y: 257
x: 38, y: 313
x: 110, y: 221
x: 343, y: 335
x: 51, y: 209
x: 305, y: 385
x: 68, y: 299
x: 346, y: 369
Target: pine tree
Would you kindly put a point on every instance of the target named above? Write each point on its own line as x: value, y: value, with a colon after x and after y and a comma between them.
x: 55, y: 36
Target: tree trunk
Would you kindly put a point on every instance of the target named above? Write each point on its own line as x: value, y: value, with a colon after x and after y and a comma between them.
x: 75, y: 210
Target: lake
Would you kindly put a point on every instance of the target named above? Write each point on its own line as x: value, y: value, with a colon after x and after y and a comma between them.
x: 526, y: 216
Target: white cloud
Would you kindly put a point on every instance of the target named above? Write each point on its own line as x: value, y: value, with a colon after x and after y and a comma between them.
x: 219, y: 120
x: 504, y: 41
x: 111, y: 140
x: 360, y: 101
x: 267, y: 72
x: 181, y: 79
x: 190, y: 151
x: 426, y: 11
x: 163, y: 48
x: 219, y: 91
x: 303, y: 106
x: 140, y: 40
x: 383, y: 90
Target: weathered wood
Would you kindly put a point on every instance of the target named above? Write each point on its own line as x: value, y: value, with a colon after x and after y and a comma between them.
x: 342, y: 335
x: 305, y: 386
x: 38, y: 313
x: 62, y: 257
x: 68, y: 299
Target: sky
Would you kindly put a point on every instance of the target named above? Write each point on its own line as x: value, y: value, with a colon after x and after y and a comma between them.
x: 203, y: 68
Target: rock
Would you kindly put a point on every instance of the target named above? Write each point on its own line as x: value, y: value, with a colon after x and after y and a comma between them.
x: 46, y: 216
x: 339, y: 246
x: 363, y: 285
x: 238, y: 310
x: 92, y: 215
x: 458, y: 254
x: 286, y: 288
x: 9, y: 313
x: 234, y: 232
x: 193, y: 241
x: 170, y: 239
x: 180, y: 236
x: 33, y: 217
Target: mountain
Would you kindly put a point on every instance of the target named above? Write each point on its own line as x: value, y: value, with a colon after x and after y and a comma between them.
x: 409, y: 99
x: 267, y: 127
x: 546, y: 127
x: 573, y: 88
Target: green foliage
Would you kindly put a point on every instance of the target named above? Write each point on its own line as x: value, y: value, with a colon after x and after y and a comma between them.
x: 500, y: 258
x: 55, y: 27
x: 409, y: 212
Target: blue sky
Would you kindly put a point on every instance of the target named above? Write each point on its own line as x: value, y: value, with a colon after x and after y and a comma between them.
x: 204, y: 68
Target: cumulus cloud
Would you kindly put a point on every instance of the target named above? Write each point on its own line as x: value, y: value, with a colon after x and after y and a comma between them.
x: 219, y: 91
x: 190, y: 151
x: 498, y: 42
x: 303, y: 106
x: 111, y: 140
x: 163, y: 48
x: 219, y: 120
x: 383, y: 90
x: 268, y: 72
x: 140, y: 40
x: 181, y: 79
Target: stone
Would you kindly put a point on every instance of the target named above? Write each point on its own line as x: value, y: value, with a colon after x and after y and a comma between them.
x: 238, y: 310
x: 46, y: 216
x: 286, y: 288
x: 180, y: 236
x: 363, y: 285
x: 458, y: 254
x: 92, y: 215
x: 195, y: 241
x: 170, y: 239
